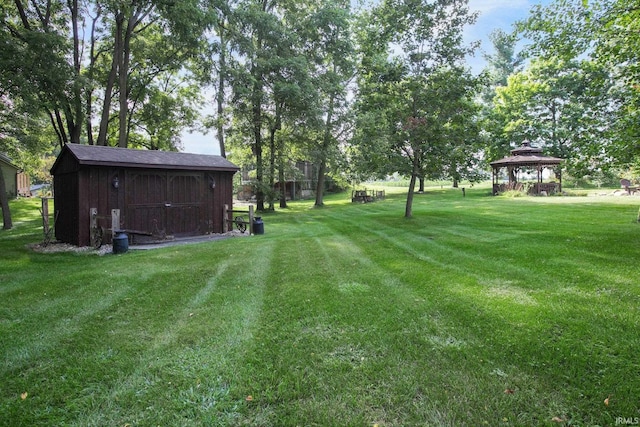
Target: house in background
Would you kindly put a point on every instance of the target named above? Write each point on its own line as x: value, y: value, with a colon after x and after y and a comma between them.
x: 158, y: 193
x: 16, y: 181
x: 300, y: 182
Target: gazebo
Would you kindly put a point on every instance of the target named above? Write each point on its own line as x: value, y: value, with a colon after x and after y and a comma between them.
x: 526, y: 156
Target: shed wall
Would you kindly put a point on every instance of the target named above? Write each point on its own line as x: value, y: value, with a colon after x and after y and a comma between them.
x: 9, y: 173
x: 66, y: 200
x: 159, y: 201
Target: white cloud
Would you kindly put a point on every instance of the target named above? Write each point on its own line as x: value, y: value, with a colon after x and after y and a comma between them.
x: 200, y: 143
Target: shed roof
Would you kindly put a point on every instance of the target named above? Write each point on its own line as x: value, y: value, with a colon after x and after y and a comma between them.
x: 99, y: 155
x: 7, y: 161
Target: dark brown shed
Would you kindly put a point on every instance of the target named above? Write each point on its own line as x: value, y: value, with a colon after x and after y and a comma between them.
x: 157, y: 193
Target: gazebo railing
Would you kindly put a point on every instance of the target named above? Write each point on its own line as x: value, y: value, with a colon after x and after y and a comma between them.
x: 532, y: 188
x: 547, y: 188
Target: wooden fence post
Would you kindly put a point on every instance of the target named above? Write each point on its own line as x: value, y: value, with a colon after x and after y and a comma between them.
x: 115, y: 221
x: 225, y: 219
x: 93, y: 218
x: 45, y: 215
x: 250, y: 220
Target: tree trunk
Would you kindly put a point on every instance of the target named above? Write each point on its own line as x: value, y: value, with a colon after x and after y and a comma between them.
x: 283, y: 184
x: 4, y: 203
x: 408, y: 211
x: 61, y: 127
x: 54, y: 126
x: 88, y: 124
x: 320, y: 185
x: 220, y: 94
x: 89, y: 91
x: 421, y: 185
x: 108, y: 91
x: 326, y: 140
x: 272, y: 165
x: 74, y: 120
x: 74, y: 116
x: 256, y: 108
x: 125, y: 59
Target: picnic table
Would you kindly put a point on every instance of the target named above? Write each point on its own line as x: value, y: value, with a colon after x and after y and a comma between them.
x: 366, y: 196
x: 361, y: 196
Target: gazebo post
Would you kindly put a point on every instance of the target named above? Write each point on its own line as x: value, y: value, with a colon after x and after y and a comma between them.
x: 493, y: 180
x: 539, y: 179
x: 559, y: 180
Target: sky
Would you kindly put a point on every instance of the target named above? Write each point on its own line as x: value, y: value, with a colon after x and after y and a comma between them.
x: 494, y: 14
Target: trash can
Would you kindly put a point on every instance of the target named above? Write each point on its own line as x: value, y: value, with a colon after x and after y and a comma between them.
x: 120, y: 242
x: 258, y: 225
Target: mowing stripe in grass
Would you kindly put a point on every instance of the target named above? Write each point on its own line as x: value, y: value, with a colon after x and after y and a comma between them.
x: 454, y: 265
x: 366, y: 329
x: 345, y: 315
x: 222, y: 314
x: 186, y: 311
x: 24, y: 349
x: 434, y: 335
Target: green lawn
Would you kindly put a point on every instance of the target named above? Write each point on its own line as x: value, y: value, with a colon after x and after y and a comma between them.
x: 478, y: 311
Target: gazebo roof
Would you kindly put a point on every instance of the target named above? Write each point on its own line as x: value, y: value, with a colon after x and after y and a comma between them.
x: 526, y: 155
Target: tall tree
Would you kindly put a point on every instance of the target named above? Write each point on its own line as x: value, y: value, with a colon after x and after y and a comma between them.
x: 35, y: 66
x: 420, y: 90
x: 330, y: 47
x: 618, y: 49
x: 217, y: 67
x: 605, y: 32
x: 60, y: 56
x: 186, y: 22
x: 273, y: 85
x: 504, y: 61
x: 563, y: 106
x: 258, y: 33
x: 501, y: 64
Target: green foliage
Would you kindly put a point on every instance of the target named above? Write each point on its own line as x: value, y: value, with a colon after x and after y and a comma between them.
x: 25, y: 135
x: 504, y: 62
x: 605, y: 33
x: 69, y: 60
x: 415, y: 107
x: 559, y: 106
x: 510, y: 194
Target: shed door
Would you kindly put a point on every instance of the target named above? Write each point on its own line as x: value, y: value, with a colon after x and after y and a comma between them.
x: 145, y: 201
x: 164, y: 203
x: 184, y: 203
